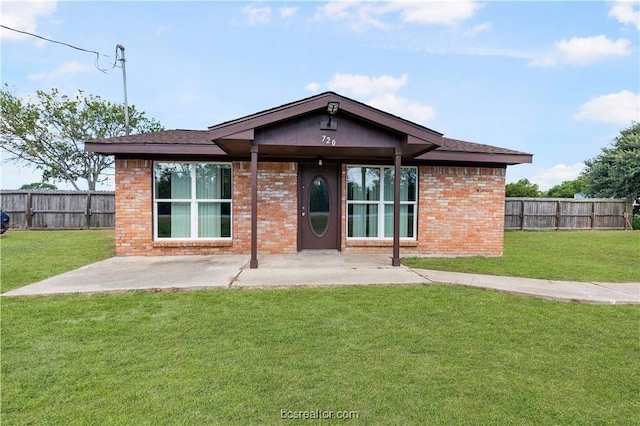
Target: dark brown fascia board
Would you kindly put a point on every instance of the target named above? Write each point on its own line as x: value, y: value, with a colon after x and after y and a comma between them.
x: 129, y: 148
x: 319, y: 102
x: 476, y: 157
x: 247, y: 135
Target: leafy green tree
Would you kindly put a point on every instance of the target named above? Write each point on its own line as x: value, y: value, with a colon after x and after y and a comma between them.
x: 50, y: 133
x: 568, y: 189
x: 39, y: 186
x: 522, y: 188
x: 615, y: 172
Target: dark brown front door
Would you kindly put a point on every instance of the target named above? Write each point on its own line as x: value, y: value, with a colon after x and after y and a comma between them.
x: 319, y: 206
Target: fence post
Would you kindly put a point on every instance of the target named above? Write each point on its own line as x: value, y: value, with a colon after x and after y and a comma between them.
x: 557, y: 215
x: 522, y: 215
x: 593, y: 215
x: 28, y: 211
x: 628, y: 212
x: 88, y: 210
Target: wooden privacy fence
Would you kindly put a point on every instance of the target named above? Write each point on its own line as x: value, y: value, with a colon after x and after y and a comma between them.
x: 96, y: 209
x: 566, y: 213
x: 59, y: 209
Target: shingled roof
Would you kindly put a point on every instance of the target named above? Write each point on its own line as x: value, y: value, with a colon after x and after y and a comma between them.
x: 178, y: 136
x: 163, y: 142
x: 233, y: 137
x: 464, y: 146
x: 463, y: 151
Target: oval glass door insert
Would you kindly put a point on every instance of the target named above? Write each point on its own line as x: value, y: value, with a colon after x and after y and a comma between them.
x: 319, y: 206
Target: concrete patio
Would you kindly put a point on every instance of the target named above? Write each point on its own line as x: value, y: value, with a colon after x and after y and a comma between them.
x: 302, y: 269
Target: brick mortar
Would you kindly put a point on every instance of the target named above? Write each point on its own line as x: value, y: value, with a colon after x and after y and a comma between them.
x: 461, y: 213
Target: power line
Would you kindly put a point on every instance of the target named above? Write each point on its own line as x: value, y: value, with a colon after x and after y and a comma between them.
x: 97, y: 65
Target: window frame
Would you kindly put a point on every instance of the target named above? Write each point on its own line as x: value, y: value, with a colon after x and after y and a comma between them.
x: 193, y: 202
x: 381, y: 203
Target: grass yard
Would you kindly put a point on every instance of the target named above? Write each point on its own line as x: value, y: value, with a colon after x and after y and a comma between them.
x: 31, y: 256
x: 393, y: 355
x: 380, y: 355
x: 602, y: 256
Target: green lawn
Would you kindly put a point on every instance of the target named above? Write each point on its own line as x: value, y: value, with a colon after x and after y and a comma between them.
x: 602, y: 256
x: 395, y: 355
x: 31, y: 256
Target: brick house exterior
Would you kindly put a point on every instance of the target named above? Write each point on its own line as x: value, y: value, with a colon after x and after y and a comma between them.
x: 297, y: 177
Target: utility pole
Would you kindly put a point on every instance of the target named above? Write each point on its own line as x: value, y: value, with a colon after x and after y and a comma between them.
x: 124, y: 83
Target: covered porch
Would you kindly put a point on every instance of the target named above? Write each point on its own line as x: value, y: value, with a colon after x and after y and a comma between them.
x: 321, y: 134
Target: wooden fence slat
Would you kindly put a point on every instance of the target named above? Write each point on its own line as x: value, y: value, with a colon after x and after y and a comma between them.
x: 566, y: 213
x: 96, y: 209
x: 59, y: 209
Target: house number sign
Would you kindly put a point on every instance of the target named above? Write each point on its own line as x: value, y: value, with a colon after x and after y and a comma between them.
x: 327, y: 140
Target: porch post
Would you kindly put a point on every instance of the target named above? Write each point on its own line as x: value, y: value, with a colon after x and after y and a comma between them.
x: 395, y: 260
x: 253, y: 264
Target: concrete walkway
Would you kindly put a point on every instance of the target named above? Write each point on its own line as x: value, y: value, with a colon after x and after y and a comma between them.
x: 302, y: 269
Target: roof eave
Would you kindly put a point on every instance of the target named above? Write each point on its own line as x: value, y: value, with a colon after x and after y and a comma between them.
x: 150, y: 148
x: 477, y: 157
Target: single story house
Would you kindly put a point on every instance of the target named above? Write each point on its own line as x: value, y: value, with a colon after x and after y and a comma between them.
x: 319, y: 173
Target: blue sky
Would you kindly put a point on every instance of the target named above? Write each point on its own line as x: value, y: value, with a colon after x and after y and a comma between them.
x: 556, y: 79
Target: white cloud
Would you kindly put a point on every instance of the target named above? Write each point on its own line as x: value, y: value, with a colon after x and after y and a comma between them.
x: 410, y: 110
x: 626, y: 12
x: 545, y: 60
x: 547, y: 178
x: 257, y: 15
x: 365, y: 86
x: 312, y: 87
x: 70, y: 68
x: 616, y: 108
x: 380, y: 14
x: 437, y: 12
x: 477, y: 29
x: 378, y: 92
x: 287, y: 12
x: 23, y: 15
x: 358, y: 16
x: 582, y: 51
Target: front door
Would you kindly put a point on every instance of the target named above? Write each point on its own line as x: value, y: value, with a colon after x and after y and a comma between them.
x: 319, y: 206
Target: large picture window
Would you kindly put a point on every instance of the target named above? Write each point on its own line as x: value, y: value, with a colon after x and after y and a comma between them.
x: 192, y: 200
x: 370, y: 196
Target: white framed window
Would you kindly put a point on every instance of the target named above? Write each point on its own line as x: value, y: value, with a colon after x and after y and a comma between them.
x: 370, y: 196
x: 192, y: 200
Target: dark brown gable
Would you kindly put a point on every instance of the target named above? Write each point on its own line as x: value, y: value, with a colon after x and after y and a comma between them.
x: 304, y: 137
x: 297, y: 130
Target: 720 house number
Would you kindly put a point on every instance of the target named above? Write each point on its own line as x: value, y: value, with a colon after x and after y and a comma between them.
x: 327, y: 140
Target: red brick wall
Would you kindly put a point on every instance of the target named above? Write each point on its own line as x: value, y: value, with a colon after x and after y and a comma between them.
x: 277, y: 207
x: 133, y: 206
x: 461, y: 213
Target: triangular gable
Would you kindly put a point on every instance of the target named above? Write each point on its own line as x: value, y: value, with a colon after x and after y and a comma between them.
x: 303, y: 119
